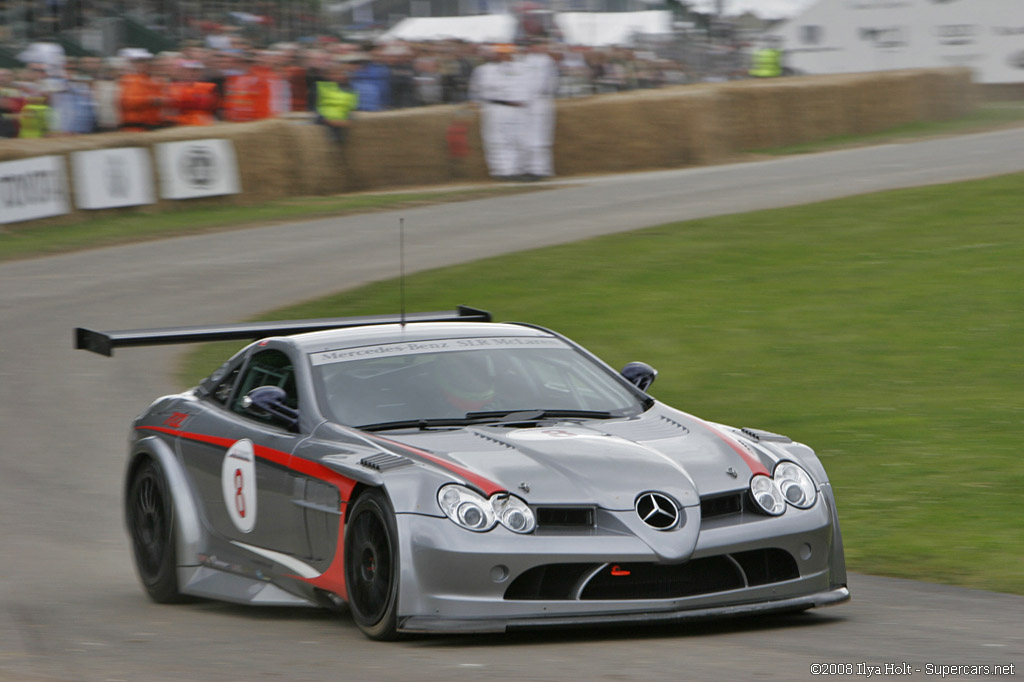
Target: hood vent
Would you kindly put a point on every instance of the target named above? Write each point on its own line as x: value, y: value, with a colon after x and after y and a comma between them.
x: 643, y: 430
x: 765, y: 436
x: 489, y: 439
x: 385, y: 462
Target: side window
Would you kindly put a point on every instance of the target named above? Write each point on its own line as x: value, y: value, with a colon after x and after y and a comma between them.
x: 221, y: 393
x: 267, y: 368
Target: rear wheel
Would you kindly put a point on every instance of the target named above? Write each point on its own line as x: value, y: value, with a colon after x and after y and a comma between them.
x: 371, y: 565
x: 151, y: 526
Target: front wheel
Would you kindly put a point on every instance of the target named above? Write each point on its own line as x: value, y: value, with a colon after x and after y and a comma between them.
x: 371, y: 565
x: 150, y: 514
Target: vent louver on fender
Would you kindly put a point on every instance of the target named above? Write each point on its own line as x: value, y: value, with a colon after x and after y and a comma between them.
x: 765, y: 436
x: 385, y: 462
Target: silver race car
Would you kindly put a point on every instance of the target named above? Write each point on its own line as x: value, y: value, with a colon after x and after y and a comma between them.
x: 439, y: 472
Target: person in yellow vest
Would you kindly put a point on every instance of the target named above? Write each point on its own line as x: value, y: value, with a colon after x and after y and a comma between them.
x: 34, y: 118
x: 335, y: 101
x: 767, y: 63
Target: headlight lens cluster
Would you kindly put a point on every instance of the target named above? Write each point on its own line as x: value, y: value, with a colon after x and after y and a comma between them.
x: 470, y: 510
x: 789, y: 484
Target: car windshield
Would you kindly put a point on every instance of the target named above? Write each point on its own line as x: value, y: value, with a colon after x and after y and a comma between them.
x: 459, y: 381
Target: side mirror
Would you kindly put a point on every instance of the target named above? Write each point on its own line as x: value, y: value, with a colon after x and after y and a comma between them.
x: 264, y: 401
x: 640, y: 374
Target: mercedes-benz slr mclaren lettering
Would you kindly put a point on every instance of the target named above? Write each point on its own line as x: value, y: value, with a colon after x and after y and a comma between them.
x: 440, y: 472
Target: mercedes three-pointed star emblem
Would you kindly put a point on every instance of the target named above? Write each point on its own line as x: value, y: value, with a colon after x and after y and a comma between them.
x: 657, y: 510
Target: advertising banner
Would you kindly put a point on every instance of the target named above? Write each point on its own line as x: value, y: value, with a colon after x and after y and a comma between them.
x: 197, y: 168
x: 33, y: 188
x: 108, y: 178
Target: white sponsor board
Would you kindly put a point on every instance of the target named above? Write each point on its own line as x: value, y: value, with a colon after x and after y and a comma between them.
x: 108, y: 178
x: 33, y: 188
x: 434, y: 346
x: 197, y: 168
x: 846, y: 36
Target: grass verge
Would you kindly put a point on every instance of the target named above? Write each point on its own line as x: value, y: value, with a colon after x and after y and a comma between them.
x: 27, y: 241
x: 884, y: 330
x: 988, y: 116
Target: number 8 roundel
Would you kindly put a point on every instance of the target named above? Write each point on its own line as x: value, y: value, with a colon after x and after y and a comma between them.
x: 238, y: 481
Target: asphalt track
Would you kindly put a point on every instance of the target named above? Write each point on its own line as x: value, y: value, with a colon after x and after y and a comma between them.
x: 70, y: 607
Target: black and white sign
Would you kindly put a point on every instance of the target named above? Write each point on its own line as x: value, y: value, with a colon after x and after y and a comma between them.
x: 197, y: 168
x: 33, y: 188
x: 108, y: 178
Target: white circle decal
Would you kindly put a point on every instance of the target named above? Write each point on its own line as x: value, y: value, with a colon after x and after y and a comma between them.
x: 238, y: 481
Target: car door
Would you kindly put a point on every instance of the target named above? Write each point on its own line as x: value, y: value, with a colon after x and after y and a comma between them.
x: 238, y: 459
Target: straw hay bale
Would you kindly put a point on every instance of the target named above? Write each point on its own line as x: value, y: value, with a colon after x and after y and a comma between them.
x: 759, y: 114
x: 821, y: 109
x: 402, y: 148
x: 318, y: 162
x: 948, y: 93
x: 884, y: 100
x: 630, y: 131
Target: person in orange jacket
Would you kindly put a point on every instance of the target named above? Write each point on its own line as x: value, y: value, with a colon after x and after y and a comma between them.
x: 142, y: 97
x: 247, y: 95
x: 192, y: 102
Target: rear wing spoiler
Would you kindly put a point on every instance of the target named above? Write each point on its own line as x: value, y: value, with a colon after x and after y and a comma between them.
x: 104, y: 343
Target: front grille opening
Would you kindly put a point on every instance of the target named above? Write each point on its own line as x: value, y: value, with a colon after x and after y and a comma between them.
x: 565, y: 517
x: 655, y: 581
x: 721, y: 505
x: 554, y: 581
x: 764, y: 566
x: 643, y: 581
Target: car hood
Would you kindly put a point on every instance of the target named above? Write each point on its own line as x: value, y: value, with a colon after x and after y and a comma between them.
x: 603, y: 462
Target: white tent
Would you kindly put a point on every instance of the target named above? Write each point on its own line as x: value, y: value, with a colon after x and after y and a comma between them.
x: 483, y: 28
x: 844, y: 36
x: 578, y: 28
x: 611, y: 28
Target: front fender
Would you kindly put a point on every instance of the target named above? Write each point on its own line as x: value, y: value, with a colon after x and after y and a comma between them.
x: 188, y: 527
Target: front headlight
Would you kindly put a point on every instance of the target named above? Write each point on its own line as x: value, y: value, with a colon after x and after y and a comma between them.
x: 790, y: 484
x: 470, y: 510
x: 513, y: 513
x: 795, y: 484
x: 466, y: 508
x: 767, y: 495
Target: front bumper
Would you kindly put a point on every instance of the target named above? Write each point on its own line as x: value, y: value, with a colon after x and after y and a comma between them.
x: 427, y: 624
x: 454, y: 580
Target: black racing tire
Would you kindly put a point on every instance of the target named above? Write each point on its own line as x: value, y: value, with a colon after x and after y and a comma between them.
x: 372, y: 566
x: 150, y: 515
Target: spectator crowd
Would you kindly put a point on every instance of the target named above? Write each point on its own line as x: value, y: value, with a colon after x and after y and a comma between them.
x: 204, y: 83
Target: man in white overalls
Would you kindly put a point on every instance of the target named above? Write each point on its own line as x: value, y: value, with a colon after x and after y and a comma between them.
x: 499, y: 89
x: 541, y: 74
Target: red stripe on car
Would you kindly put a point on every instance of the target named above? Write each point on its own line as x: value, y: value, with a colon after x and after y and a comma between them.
x: 486, y: 486
x: 756, y: 465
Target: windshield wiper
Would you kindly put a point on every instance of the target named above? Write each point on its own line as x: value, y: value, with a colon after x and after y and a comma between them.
x: 421, y: 424
x: 517, y: 416
x: 496, y: 417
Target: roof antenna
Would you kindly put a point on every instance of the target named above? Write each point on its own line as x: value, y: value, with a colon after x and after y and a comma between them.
x: 401, y: 266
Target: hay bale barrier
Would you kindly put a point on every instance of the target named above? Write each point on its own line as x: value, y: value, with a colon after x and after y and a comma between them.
x: 667, y: 128
x: 405, y: 148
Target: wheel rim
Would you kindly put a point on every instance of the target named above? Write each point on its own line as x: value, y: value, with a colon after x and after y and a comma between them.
x: 149, y: 525
x: 370, y: 591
